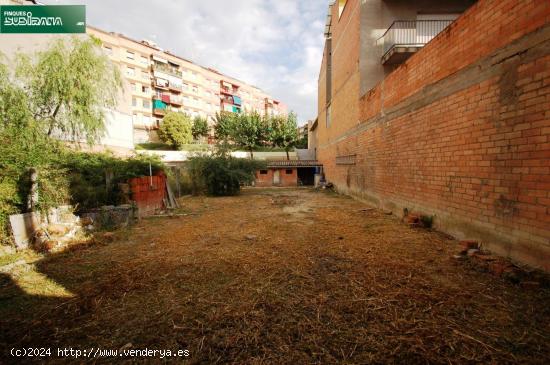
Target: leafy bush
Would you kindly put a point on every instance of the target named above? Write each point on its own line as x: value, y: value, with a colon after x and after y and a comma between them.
x: 176, y: 129
x: 219, y: 176
x: 200, y: 127
x: 64, y: 176
x: 87, y: 177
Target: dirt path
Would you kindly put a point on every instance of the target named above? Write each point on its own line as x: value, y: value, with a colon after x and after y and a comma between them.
x: 276, y: 277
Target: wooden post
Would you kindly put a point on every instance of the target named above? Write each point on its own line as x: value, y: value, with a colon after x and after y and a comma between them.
x: 32, y: 199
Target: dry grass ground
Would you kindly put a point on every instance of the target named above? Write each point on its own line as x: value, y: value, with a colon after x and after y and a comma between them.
x: 276, y: 277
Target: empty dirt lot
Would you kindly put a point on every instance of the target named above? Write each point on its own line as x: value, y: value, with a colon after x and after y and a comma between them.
x: 289, y: 276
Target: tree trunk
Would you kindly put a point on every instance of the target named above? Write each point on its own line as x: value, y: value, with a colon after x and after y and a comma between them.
x: 251, y: 154
x: 287, y: 155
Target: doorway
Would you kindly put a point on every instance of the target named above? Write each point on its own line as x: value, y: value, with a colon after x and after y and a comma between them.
x: 276, y: 177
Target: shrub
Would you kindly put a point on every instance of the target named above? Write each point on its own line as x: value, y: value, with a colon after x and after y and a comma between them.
x: 176, y: 129
x: 219, y: 176
x: 200, y: 127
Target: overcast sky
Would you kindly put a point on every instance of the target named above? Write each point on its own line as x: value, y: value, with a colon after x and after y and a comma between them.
x: 275, y: 45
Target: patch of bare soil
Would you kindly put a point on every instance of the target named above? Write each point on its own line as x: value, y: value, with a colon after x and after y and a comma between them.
x: 278, y: 276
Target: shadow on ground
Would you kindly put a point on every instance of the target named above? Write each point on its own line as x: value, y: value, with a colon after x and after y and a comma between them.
x: 275, y: 276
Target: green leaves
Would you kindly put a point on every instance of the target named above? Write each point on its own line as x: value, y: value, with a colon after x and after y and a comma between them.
x: 219, y: 176
x: 68, y: 87
x: 284, y: 131
x: 251, y: 130
x: 176, y: 129
x: 200, y: 127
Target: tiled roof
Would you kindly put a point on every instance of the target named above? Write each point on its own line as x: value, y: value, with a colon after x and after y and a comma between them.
x: 294, y: 163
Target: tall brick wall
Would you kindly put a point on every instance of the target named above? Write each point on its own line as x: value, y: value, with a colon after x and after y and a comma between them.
x: 461, y: 130
x: 345, y: 72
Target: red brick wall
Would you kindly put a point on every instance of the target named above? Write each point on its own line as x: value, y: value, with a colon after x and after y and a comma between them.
x: 289, y: 179
x: 461, y: 130
x: 345, y: 73
x: 263, y: 180
x: 148, y: 197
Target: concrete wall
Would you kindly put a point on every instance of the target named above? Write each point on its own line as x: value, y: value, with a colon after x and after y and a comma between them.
x: 378, y: 15
x: 180, y: 156
x: 460, y: 131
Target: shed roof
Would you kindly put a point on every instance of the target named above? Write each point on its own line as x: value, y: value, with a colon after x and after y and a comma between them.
x: 294, y: 163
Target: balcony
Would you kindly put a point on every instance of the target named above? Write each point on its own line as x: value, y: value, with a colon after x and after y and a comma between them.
x: 167, y: 69
x: 176, y: 101
x: 175, y: 87
x: 228, y: 91
x: 406, y: 37
x: 232, y: 99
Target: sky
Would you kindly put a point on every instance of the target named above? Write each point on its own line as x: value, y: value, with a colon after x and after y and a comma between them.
x: 275, y: 45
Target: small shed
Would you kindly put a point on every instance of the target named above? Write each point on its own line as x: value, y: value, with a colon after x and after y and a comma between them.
x: 288, y: 173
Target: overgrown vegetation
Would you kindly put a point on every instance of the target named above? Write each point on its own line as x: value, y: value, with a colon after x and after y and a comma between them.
x: 200, y: 128
x: 221, y: 175
x: 59, y: 93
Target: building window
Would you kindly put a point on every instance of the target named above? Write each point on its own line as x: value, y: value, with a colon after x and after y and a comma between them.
x: 263, y: 172
x: 144, y: 75
x: 145, y: 89
x: 108, y: 50
x: 328, y: 116
x: 134, y: 102
x: 129, y: 55
x: 288, y: 171
x: 146, y: 104
x: 130, y: 71
x: 144, y: 60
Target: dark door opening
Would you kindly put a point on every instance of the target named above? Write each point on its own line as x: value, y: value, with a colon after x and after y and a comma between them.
x: 306, y: 176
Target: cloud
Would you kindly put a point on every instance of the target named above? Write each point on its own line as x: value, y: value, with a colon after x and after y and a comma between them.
x: 273, y: 44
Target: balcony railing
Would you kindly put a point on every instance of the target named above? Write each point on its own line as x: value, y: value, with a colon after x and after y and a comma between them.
x: 411, y: 33
x: 167, y: 69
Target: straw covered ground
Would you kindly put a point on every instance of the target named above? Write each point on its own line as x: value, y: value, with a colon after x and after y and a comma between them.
x: 275, y: 276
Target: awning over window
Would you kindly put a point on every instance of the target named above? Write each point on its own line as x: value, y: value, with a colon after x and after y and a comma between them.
x: 157, y: 104
x: 236, y: 100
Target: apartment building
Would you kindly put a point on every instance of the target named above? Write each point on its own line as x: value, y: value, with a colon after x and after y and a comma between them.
x: 441, y: 107
x: 160, y: 81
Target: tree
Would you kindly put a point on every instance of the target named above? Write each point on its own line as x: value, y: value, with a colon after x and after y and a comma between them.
x: 68, y: 88
x: 284, y: 132
x: 249, y: 131
x: 225, y: 122
x: 176, y: 129
x: 200, y: 127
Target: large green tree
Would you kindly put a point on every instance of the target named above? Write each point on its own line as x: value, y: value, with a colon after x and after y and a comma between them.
x: 176, y: 129
x: 284, y: 132
x: 61, y: 91
x: 68, y: 87
x: 249, y: 131
x: 200, y: 127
